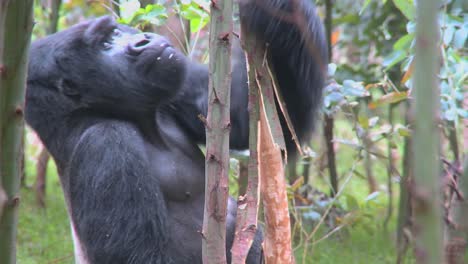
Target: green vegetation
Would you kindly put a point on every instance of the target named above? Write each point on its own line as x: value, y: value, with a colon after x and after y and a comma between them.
x: 44, y: 233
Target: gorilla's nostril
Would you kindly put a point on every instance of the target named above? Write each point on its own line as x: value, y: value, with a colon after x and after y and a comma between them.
x: 141, y: 43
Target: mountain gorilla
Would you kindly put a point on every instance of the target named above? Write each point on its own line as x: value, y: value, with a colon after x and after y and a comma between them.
x: 117, y: 110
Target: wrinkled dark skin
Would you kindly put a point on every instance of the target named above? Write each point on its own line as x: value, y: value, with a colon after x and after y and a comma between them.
x: 117, y: 109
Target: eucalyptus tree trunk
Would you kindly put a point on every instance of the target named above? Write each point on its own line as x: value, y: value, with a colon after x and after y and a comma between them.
x: 426, y: 194
x: 15, y: 35
x: 217, y: 134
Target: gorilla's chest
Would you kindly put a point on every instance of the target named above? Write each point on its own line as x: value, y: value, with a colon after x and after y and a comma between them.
x: 179, y: 170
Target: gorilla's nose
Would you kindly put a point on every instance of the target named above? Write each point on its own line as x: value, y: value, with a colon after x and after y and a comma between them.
x: 140, y: 42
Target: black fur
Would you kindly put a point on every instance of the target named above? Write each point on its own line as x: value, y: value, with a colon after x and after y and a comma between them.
x: 298, y: 65
x: 118, y: 112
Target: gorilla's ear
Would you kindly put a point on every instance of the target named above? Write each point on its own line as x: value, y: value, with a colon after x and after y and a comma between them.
x: 68, y: 88
x: 99, y: 30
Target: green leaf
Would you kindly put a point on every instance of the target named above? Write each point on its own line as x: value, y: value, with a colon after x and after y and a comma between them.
x: 128, y: 8
x: 372, y: 196
x: 155, y: 14
x: 363, y: 121
x: 197, y: 24
x: 352, y: 203
x: 390, y: 98
x: 404, y: 42
x: 394, y: 58
x: 448, y: 35
x: 403, y: 130
x: 331, y: 69
x: 366, y: 3
x: 459, y: 39
x: 195, y: 13
x: 347, y: 19
x: 406, y: 7
x: 353, y: 88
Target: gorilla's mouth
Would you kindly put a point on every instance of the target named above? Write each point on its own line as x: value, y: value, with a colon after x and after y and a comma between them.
x: 166, y: 52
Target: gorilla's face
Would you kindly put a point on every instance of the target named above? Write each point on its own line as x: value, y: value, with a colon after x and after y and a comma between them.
x: 104, y: 66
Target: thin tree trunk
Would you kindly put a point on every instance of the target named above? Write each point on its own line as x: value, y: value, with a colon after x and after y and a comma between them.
x: 243, y: 175
x: 15, y: 35
x: 367, y: 142
x: 306, y: 169
x: 277, y: 244
x: 247, y: 205
x: 277, y: 241
x: 217, y: 134
x: 41, y: 176
x: 457, y: 231
x: 390, y: 168
x: 54, y: 16
x: 404, y: 207
x: 328, y: 121
x: 426, y: 196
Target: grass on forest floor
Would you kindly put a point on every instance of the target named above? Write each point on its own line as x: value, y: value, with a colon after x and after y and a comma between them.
x: 44, y: 234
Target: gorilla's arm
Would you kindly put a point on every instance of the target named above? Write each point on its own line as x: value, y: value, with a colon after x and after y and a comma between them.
x: 117, y: 207
x: 298, y: 53
x: 192, y: 101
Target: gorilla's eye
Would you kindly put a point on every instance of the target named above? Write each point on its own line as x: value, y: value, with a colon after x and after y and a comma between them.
x: 116, y: 33
x: 107, y: 46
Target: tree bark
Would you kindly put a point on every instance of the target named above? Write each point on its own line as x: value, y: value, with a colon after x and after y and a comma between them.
x: 329, y: 123
x: 15, y: 35
x: 426, y: 194
x: 277, y: 244
x: 217, y: 134
x: 247, y: 205
x: 54, y: 16
x: 457, y: 235
x: 405, y: 207
x: 41, y: 176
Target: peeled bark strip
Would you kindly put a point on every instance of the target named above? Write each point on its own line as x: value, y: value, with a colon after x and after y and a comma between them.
x: 277, y: 244
x: 247, y: 205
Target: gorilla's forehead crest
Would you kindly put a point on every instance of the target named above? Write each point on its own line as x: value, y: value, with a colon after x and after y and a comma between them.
x: 78, y: 39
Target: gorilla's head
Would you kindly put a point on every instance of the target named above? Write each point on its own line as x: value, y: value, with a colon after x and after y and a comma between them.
x: 100, y: 65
